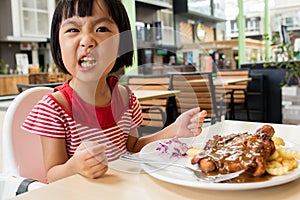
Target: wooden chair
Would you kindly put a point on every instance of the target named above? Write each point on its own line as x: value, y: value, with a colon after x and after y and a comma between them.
x: 196, y: 89
x: 155, y: 110
x: 234, y: 96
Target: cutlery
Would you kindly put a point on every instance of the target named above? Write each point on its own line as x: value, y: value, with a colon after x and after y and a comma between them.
x: 201, y: 176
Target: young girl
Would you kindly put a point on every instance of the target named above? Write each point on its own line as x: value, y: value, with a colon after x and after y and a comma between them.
x: 91, y: 119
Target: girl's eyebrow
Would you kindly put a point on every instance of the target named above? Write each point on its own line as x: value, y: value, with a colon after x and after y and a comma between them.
x: 100, y: 20
x: 104, y: 19
x: 69, y: 22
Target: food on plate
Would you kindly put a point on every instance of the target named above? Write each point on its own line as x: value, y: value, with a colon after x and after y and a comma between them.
x: 261, y: 154
x: 193, y: 151
x: 234, y: 152
x: 283, y: 159
x: 172, y: 148
x: 278, y: 141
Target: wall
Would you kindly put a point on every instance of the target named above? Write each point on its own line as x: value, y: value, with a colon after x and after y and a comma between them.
x: 5, y: 19
x: 146, y: 15
x: 8, y: 51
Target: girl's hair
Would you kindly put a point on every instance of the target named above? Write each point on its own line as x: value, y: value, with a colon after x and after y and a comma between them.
x: 69, y: 8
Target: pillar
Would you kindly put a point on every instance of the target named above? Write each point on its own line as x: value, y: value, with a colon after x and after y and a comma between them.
x: 267, y: 31
x: 241, y: 37
x: 130, y: 8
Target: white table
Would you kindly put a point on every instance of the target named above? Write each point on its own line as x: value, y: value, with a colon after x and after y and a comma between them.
x: 144, y: 95
x: 121, y: 185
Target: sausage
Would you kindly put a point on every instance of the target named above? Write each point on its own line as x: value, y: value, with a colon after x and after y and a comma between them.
x: 207, y: 165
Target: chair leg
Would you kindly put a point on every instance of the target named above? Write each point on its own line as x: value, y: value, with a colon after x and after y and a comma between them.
x: 246, y: 106
x: 231, y: 106
x: 171, y: 111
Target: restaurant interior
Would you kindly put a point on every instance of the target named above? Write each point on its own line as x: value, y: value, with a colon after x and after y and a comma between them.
x: 240, y: 65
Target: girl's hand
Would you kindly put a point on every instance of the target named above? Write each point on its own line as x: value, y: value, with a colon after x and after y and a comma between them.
x: 189, y: 123
x: 89, y: 160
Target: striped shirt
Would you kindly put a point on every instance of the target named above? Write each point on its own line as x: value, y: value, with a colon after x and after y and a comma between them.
x: 104, y: 124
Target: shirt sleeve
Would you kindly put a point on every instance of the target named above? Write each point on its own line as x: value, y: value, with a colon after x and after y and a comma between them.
x: 46, y: 119
x: 137, y: 117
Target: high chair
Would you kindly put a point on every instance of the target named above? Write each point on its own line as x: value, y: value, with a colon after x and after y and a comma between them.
x: 22, y: 152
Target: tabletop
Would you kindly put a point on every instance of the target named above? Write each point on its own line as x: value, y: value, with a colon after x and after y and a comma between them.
x: 144, y: 95
x: 230, y: 81
x: 133, y: 183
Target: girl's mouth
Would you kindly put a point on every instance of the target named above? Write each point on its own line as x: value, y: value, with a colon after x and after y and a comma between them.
x: 86, y: 62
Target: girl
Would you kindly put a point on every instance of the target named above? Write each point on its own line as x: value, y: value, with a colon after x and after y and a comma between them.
x: 91, y: 39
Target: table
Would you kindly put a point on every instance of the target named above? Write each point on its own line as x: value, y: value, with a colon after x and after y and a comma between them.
x: 120, y: 185
x: 144, y: 95
x: 230, y: 81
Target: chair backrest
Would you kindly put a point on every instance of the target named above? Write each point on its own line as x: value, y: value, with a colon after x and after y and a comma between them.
x: 148, y: 82
x: 239, y: 96
x: 154, y: 110
x: 196, y: 89
x: 22, y: 151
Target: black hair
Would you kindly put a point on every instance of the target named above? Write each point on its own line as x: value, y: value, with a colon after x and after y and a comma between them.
x: 69, y: 8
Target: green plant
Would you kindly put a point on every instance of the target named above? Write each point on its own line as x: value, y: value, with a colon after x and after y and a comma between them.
x: 287, y: 61
x: 3, y: 67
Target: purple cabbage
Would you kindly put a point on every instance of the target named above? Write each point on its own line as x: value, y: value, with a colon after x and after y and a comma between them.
x: 173, y: 148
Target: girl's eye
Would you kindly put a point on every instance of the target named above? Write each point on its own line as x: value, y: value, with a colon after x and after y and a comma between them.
x: 72, y: 30
x: 102, y: 29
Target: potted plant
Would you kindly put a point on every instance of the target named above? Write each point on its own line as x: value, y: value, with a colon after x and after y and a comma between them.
x: 286, y: 60
x: 3, y: 67
x: 290, y: 86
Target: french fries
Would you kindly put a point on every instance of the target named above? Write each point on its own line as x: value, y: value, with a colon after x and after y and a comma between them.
x: 278, y: 141
x: 283, y: 159
x: 193, y: 151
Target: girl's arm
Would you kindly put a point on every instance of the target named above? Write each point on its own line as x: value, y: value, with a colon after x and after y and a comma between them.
x: 188, y: 124
x: 88, y: 160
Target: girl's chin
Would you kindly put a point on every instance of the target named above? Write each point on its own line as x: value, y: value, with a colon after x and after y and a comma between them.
x: 89, y: 76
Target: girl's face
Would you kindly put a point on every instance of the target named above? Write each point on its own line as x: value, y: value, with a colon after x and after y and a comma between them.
x: 89, y: 45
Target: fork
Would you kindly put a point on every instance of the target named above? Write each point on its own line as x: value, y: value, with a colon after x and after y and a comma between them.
x: 201, y: 176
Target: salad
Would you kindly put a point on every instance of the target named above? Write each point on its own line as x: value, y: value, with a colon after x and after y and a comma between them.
x: 172, y: 148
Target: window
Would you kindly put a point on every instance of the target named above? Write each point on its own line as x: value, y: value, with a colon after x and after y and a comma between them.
x: 35, y: 15
x: 165, y: 19
x: 289, y: 21
x: 234, y: 26
x: 200, y: 6
x: 219, y: 8
x: 251, y: 25
x: 32, y: 18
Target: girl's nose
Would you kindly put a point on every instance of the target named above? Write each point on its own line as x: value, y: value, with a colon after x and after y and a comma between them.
x: 87, y: 42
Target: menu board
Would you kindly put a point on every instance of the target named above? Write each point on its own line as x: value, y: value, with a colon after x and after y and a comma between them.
x: 22, y: 63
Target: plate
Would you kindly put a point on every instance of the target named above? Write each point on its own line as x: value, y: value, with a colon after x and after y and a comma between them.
x: 183, y: 177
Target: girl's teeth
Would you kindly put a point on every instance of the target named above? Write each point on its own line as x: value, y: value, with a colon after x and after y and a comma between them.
x: 86, y: 62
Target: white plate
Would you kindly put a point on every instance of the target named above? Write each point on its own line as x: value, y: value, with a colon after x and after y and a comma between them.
x: 183, y: 177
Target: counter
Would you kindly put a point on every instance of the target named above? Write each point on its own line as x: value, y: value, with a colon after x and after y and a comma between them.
x: 8, y: 83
